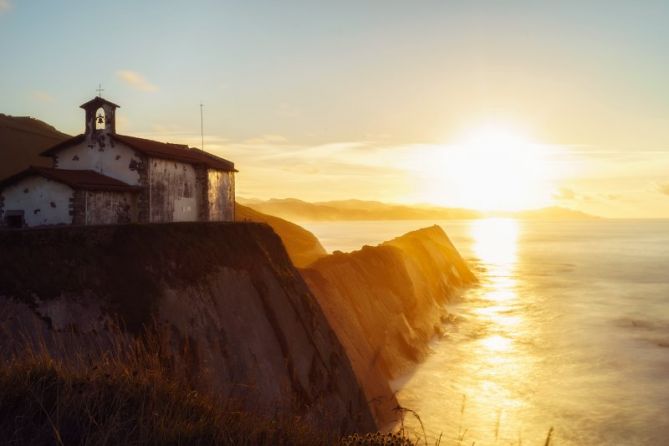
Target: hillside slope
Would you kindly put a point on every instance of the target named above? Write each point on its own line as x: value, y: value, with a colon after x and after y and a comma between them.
x: 22, y: 139
x: 229, y: 304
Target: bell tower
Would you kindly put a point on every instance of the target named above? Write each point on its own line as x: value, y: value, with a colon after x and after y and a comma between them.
x: 100, y: 116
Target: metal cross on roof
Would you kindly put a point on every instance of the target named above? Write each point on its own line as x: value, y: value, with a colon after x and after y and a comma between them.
x: 100, y: 90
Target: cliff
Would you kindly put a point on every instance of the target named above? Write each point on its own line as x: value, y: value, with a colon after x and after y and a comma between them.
x: 303, y: 247
x: 386, y: 303
x: 225, y: 297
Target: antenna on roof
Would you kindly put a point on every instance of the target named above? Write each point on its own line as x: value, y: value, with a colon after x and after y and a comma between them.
x: 201, y: 126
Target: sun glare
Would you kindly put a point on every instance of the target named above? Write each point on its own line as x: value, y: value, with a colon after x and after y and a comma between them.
x: 492, y: 167
x: 496, y: 167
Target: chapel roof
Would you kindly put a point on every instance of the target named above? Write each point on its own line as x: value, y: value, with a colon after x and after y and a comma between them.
x: 97, y: 102
x: 76, y: 179
x: 63, y: 144
x: 156, y: 149
x: 176, y: 152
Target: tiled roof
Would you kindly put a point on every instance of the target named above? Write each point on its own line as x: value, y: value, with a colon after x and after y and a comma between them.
x: 61, y: 145
x: 156, y: 149
x: 76, y: 179
x: 176, y: 152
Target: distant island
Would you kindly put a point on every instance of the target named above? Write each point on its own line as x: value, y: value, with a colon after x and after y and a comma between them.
x: 298, y: 210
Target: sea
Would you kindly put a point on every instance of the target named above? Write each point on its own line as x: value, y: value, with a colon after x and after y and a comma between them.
x: 564, y: 342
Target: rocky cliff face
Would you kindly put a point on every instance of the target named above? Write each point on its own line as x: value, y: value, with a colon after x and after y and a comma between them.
x: 386, y: 303
x: 226, y: 297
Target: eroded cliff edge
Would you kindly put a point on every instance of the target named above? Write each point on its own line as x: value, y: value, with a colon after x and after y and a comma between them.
x: 302, y: 246
x: 386, y: 303
x: 234, y: 308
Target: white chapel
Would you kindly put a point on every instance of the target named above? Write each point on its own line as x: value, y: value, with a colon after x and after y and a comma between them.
x: 101, y: 177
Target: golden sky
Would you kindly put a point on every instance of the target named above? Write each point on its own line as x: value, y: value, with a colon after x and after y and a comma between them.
x: 483, y: 104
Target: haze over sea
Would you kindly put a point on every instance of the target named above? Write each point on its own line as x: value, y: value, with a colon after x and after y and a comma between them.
x: 569, y: 328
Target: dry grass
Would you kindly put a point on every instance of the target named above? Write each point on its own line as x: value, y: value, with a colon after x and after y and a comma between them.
x: 128, y: 392
x: 123, y: 399
x: 420, y: 437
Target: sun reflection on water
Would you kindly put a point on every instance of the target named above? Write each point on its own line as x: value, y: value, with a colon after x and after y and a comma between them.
x: 495, y: 242
x: 495, y: 245
x: 489, y: 360
x: 549, y: 338
x: 497, y: 343
x: 494, y: 358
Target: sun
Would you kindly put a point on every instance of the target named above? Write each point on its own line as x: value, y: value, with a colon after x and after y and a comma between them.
x: 494, y: 166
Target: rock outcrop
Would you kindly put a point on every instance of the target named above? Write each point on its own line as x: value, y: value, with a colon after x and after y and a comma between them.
x: 231, y: 304
x: 386, y: 303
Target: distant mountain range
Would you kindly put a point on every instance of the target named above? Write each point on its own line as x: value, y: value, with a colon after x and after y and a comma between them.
x: 295, y: 209
x: 22, y: 139
x: 298, y: 210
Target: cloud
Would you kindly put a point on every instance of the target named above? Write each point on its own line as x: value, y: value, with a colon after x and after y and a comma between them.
x: 135, y: 80
x: 266, y: 139
x: 663, y: 188
x: 565, y: 194
x: 40, y: 96
x: 5, y: 6
x: 179, y: 134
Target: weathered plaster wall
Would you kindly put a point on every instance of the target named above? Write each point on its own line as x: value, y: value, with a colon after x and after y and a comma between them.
x: 110, y: 207
x: 173, y: 193
x: 202, y: 193
x: 221, y: 187
x: 43, y: 201
x: 110, y: 158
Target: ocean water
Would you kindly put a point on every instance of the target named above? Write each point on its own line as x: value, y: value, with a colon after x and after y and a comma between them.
x: 569, y: 329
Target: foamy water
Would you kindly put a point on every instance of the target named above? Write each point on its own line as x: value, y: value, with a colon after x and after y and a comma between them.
x: 568, y: 329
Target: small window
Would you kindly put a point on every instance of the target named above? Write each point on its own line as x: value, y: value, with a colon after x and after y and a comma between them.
x: 14, y: 219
